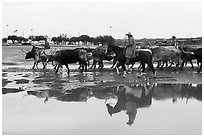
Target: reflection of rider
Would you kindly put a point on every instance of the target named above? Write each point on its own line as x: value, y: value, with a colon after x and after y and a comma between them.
x: 130, y: 98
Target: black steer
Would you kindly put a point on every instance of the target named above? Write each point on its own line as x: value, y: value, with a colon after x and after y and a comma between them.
x: 65, y: 57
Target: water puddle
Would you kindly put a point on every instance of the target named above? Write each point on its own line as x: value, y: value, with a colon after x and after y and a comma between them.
x: 79, y: 107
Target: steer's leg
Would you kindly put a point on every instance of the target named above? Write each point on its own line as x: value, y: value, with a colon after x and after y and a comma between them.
x: 44, y: 64
x: 152, y: 68
x: 143, y: 69
x: 86, y: 64
x: 57, y: 67
x: 182, y: 64
x: 68, y: 71
x: 93, y: 65
x: 124, y: 70
x: 35, y: 63
x: 117, y: 66
x: 199, y: 70
x: 114, y: 62
x: 191, y: 63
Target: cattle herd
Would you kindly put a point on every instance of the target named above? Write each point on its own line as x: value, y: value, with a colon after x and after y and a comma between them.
x: 170, y: 56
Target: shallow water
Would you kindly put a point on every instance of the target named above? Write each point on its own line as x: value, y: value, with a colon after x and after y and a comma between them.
x: 47, y: 104
x: 42, y: 102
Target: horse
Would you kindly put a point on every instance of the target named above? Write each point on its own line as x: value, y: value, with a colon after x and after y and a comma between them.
x: 142, y: 55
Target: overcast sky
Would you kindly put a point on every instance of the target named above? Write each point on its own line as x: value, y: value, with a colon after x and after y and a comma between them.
x: 143, y: 20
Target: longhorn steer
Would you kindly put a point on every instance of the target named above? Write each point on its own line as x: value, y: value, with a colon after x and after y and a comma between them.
x: 166, y: 54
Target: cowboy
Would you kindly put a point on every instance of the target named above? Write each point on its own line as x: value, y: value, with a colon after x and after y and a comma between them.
x: 174, y: 43
x: 47, y: 45
x: 130, y: 48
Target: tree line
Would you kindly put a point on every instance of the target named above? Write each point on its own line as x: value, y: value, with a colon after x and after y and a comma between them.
x: 85, y: 39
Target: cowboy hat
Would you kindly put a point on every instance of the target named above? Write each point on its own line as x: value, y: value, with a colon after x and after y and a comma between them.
x: 129, y: 33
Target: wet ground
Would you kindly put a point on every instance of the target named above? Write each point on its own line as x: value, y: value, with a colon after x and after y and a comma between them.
x: 99, y: 101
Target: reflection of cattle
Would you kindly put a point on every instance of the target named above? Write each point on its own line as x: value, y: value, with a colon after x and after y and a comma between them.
x: 43, y: 94
x: 166, y: 91
x: 77, y: 95
x: 166, y: 54
x: 175, y: 91
x: 65, y: 57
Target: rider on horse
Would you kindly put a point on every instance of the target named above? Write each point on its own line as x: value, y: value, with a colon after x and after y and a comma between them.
x: 130, y: 48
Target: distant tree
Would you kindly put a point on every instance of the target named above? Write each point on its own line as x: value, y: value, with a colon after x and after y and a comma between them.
x: 84, y: 38
x: 40, y: 37
x: 108, y: 39
x: 74, y: 39
x: 54, y: 39
x: 12, y: 38
x: 31, y: 37
x: 93, y: 40
x: 21, y: 39
x: 4, y: 40
x: 104, y: 40
x: 59, y: 39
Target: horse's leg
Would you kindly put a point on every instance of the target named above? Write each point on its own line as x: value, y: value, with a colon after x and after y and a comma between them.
x: 57, y: 66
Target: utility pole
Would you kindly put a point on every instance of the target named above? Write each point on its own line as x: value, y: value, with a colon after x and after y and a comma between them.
x: 110, y: 27
x: 7, y: 30
x: 31, y: 32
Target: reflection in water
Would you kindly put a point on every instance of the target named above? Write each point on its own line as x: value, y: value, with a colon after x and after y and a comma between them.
x: 129, y: 98
x: 80, y: 88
